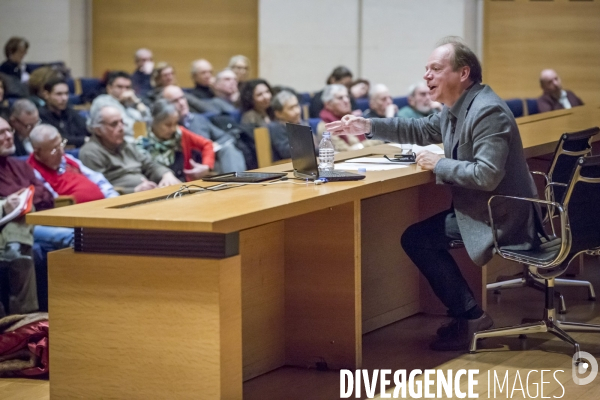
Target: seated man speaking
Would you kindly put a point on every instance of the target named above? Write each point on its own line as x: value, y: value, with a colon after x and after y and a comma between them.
x: 484, y: 157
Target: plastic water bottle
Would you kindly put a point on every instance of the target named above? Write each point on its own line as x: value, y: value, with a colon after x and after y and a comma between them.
x: 326, y: 153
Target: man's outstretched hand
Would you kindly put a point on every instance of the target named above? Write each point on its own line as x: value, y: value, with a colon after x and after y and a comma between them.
x: 349, y: 125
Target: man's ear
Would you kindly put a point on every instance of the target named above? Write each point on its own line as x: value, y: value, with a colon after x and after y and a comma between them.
x: 465, y: 73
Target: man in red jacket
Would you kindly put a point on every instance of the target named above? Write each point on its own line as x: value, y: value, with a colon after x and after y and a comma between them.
x: 65, y: 174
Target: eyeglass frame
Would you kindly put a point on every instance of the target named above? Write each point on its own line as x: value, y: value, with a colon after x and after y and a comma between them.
x: 62, y: 145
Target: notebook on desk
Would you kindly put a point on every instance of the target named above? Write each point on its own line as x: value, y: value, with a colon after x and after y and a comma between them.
x: 304, y: 157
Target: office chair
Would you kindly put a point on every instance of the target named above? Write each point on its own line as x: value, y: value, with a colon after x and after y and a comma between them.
x: 579, y: 216
x: 570, y: 147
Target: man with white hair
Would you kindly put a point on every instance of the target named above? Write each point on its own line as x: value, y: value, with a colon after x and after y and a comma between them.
x: 380, y: 103
x: 65, y: 174
x: 24, y: 117
x: 140, y: 79
x: 555, y: 97
x: 202, y: 75
x: 419, y: 102
x: 226, y: 88
x: 229, y: 157
x: 120, y: 162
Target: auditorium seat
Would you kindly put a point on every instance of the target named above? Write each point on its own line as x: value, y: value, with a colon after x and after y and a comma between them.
x: 532, y: 107
x: 516, y: 106
x: 362, y: 104
x: 313, y: 123
x: 400, y: 101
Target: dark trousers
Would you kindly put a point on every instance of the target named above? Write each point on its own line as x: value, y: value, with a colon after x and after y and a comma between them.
x: 427, y: 244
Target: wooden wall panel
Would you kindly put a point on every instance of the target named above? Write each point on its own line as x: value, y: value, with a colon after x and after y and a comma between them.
x: 522, y: 37
x: 176, y: 31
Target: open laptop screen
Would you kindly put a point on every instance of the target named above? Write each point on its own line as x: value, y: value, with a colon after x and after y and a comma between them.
x: 302, y: 150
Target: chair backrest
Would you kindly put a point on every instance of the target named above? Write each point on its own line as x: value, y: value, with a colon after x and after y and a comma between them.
x: 139, y: 129
x: 570, y: 147
x: 262, y: 140
x: 516, y: 106
x: 314, y: 123
x: 581, y: 202
x: 532, y: 107
x: 362, y: 104
x: 400, y: 101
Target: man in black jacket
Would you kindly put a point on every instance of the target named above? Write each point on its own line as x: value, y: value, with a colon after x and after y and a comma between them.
x: 57, y: 113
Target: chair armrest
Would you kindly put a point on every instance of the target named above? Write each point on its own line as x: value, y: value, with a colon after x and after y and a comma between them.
x: 564, y: 228
x: 62, y: 201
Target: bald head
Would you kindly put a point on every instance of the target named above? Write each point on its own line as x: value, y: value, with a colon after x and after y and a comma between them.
x: 174, y: 95
x: 379, y: 98
x: 551, y: 83
x: 142, y: 56
x: 226, y: 82
x: 48, y: 146
x: 42, y: 134
x: 202, y: 72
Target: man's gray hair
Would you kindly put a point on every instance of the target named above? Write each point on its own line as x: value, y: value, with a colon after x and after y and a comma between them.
x: 41, y: 134
x: 196, y: 63
x: 142, y: 50
x: 23, y: 106
x: 162, y: 109
x: 463, y: 56
x: 375, y: 89
x: 220, y: 74
x: 95, y: 119
x: 413, y: 88
x: 331, y: 90
x: 278, y: 102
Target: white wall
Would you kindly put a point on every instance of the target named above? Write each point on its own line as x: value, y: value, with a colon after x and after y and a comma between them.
x: 385, y: 41
x: 56, y: 30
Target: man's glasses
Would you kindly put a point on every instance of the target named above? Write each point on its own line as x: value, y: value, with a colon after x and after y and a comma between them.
x: 113, y: 124
x: 29, y: 127
x: 58, y: 148
x: 5, y: 131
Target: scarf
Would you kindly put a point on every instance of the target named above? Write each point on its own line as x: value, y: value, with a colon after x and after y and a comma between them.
x: 163, y: 151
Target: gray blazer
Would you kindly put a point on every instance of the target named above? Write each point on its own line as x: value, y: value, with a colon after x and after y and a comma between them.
x: 484, y: 157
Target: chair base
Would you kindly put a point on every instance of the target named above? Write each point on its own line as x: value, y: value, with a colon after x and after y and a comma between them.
x: 547, y: 324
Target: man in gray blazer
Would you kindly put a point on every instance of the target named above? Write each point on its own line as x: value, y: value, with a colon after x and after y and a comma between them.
x: 483, y: 157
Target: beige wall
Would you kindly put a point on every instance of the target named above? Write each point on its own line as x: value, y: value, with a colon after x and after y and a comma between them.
x: 177, y: 32
x: 523, y: 37
x: 385, y: 41
x: 56, y: 30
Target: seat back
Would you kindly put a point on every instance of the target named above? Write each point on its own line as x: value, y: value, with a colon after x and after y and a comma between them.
x: 532, y: 107
x: 570, y: 147
x: 516, y: 106
x: 362, y: 104
x: 139, y: 129
x: 581, y: 202
x: 262, y: 139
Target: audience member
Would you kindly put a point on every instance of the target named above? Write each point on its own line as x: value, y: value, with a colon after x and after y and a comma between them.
x: 188, y: 155
x: 57, y: 113
x: 65, y: 174
x: 229, y: 157
x: 380, y: 103
x: 37, y: 80
x: 337, y: 104
x: 286, y: 109
x: 202, y: 75
x: 4, y: 107
x: 140, y: 79
x: 340, y: 75
x: 360, y: 88
x: 120, y: 95
x: 120, y: 162
x: 555, y: 97
x: 240, y: 65
x: 255, y: 101
x: 419, y: 102
x: 15, y: 51
x: 226, y: 88
x: 16, y: 237
x: 23, y: 118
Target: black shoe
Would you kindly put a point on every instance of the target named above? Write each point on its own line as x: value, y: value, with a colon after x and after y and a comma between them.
x: 15, y: 251
x: 458, y: 334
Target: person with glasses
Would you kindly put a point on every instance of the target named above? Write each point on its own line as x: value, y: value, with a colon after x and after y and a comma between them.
x: 65, y: 174
x: 122, y: 163
x: 24, y: 117
x: 119, y: 94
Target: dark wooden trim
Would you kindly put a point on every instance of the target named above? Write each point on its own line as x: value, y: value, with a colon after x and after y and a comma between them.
x: 154, y: 243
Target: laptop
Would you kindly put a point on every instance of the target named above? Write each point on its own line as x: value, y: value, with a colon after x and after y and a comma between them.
x: 304, y: 157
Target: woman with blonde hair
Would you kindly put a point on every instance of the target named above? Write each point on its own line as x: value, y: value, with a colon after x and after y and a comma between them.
x: 241, y: 66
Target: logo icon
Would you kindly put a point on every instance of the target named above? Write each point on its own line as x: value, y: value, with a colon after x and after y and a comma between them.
x: 584, y: 363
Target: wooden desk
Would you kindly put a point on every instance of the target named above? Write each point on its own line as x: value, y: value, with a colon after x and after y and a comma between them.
x: 171, y: 298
